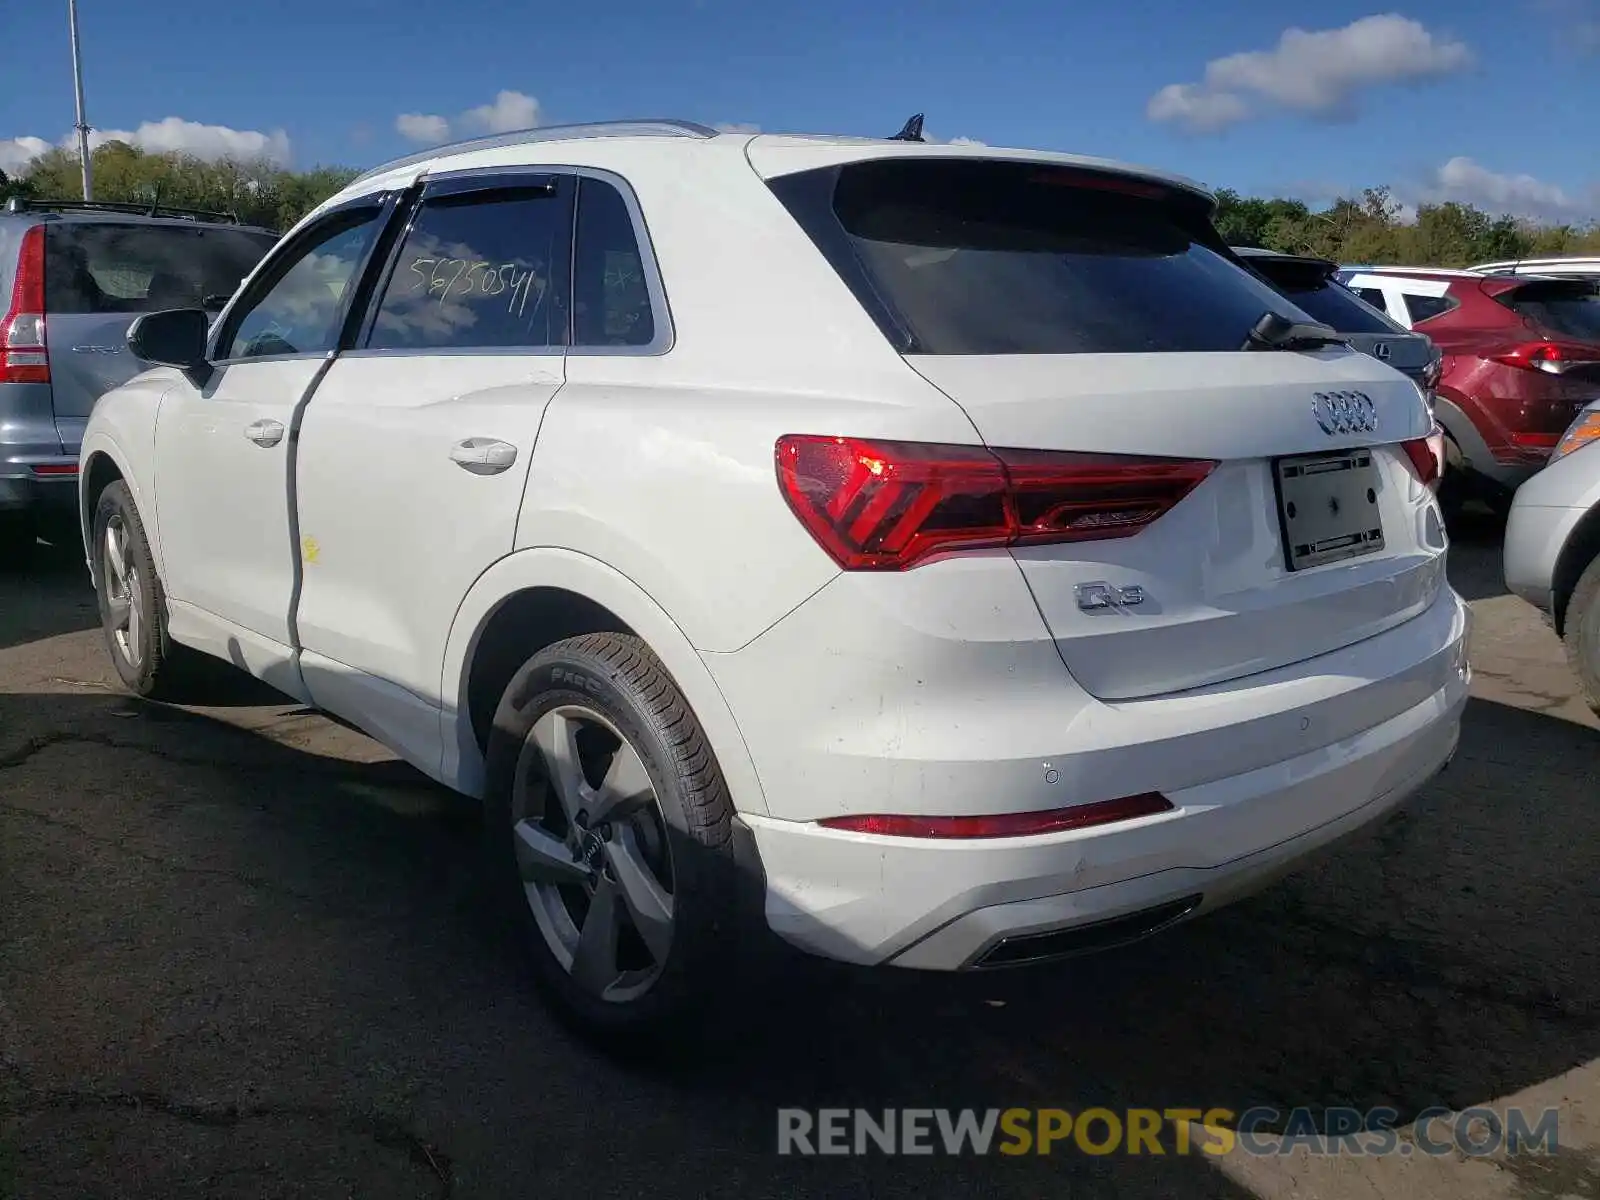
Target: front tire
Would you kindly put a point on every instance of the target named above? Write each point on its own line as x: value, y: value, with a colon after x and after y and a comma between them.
x: 133, y: 606
x: 1582, y: 633
x: 611, y: 839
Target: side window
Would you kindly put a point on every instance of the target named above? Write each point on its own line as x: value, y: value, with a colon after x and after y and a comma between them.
x: 1373, y: 296
x: 299, y: 309
x: 611, y: 301
x: 483, y: 269
x: 1423, y: 307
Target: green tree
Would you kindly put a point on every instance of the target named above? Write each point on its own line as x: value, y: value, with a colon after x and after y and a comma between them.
x: 1364, y: 228
x: 10, y: 187
x: 258, y: 192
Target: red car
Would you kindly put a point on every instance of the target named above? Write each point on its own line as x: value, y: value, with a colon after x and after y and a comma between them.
x: 1521, y: 358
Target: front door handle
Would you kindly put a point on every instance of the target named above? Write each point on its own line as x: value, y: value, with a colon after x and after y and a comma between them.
x: 483, y: 456
x: 265, y: 433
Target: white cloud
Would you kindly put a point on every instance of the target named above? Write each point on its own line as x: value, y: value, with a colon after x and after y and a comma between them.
x: 1575, y: 23
x: 421, y: 127
x: 158, y: 137
x: 1196, y: 107
x: 737, y: 127
x: 1469, y: 182
x: 17, y: 153
x: 202, y: 141
x: 965, y: 141
x: 1318, y: 73
x: 508, y: 111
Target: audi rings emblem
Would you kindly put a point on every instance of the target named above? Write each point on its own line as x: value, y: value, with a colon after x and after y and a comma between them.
x: 1344, y: 412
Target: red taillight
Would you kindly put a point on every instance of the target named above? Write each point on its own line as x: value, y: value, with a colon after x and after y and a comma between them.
x: 1424, y: 460
x: 52, y: 470
x: 1535, y: 441
x: 1549, y: 357
x: 24, y: 357
x: 886, y: 506
x: 1053, y: 820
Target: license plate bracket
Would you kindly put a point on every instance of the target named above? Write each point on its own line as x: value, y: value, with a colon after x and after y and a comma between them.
x: 1328, y: 507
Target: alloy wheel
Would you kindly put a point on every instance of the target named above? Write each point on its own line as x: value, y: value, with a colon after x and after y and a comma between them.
x: 124, y: 593
x: 592, y: 851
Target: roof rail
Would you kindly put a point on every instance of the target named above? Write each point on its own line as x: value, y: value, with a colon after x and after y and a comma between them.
x: 28, y: 204
x: 548, y: 133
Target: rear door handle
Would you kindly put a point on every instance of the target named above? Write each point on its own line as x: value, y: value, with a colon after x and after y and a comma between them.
x: 483, y: 456
x: 265, y: 433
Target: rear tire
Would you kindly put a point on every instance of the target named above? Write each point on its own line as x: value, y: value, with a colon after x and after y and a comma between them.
x: 1582, y: 633
x: 611, y: 841
x: 133, y: 605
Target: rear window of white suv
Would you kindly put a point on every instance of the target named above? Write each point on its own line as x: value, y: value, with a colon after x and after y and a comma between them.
x: 962, y: 256
x: 106, y: 267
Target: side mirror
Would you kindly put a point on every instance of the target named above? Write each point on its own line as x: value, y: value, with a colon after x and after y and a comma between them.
x: 174, y: 338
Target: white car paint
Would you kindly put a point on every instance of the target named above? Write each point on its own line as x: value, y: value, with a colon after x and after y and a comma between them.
x: 1583, y: 267
x: 1274, y: 709
x: 1395, y: 288
x: 387, y: 424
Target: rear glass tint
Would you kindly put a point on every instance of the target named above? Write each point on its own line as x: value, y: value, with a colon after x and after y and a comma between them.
x: 1325, y: 298
x: 104, y: 267
x: 1426, y: 308
x: 1568, y: 308
x: 985, y: 257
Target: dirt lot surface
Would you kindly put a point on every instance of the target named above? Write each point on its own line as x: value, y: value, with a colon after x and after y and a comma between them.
x: 243, y: 953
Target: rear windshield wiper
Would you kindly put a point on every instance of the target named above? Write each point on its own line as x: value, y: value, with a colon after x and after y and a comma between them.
x: 1276, y: 332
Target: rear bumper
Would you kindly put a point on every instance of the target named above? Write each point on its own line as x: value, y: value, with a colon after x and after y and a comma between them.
x: 974, y: 904
x: 50, y: 498
x: 1261, y: 772
x: 29, y: 439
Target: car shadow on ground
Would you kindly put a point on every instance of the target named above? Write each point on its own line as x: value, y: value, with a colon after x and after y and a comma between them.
x: 49, y: 595
x: 217, y: 950
x: 1477, y: 569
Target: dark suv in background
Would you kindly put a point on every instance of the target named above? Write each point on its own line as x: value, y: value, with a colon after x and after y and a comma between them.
x: 73, y: 276
x: 1312, y: 284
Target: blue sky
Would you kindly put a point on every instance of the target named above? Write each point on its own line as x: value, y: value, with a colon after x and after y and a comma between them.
x: 1226, y: 92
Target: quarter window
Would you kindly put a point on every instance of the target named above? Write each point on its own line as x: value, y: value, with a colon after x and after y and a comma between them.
x: 611, y: 298
x: 1422, y: 308
x: 300, y: 310
x: 480, y: 270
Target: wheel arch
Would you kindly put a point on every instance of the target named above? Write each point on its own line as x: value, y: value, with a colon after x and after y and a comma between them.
x: 102, y: 463
x: 1451, y: 411
x: 1580, y: 549
x: 540, y: 595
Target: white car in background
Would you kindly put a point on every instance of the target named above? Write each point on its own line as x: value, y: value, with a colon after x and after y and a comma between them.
x: 945, y: 555
x: 1570, y: 265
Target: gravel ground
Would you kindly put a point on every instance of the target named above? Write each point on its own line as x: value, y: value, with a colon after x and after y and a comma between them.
x: 244, y: 953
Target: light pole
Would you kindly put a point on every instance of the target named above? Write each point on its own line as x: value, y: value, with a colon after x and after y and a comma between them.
x: 77, y: 80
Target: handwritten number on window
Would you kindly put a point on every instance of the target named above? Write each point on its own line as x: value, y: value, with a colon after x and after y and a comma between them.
x: 440, y: 276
